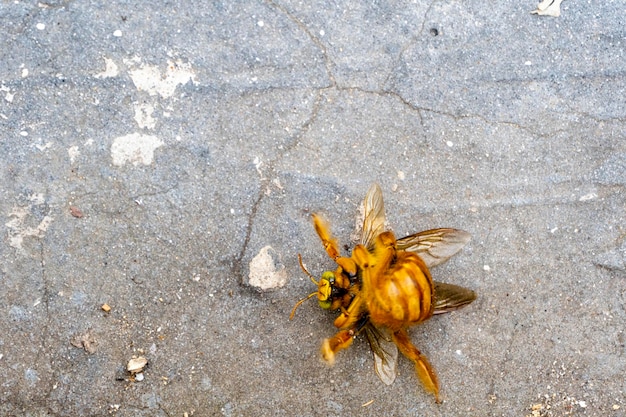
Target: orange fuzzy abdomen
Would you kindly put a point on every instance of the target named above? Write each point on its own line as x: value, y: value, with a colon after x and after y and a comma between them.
x: 401, y: 295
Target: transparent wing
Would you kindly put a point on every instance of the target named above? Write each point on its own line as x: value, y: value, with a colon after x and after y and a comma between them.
x: 385, y: 353
x: 450, y: 297
x: 435, y: 246
x: 373, y: 216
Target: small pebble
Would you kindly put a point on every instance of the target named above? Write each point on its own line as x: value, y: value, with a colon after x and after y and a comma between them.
x: 136, y: 365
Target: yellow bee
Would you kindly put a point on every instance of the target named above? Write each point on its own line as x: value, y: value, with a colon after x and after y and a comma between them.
x: 385, y: 287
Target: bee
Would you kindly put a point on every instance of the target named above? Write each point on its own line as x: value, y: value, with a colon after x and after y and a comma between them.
x: 386, y: 286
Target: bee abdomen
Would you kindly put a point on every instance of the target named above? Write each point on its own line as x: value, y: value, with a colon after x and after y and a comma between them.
x: 403, y: 294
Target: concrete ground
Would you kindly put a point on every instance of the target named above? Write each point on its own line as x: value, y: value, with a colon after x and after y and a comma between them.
x: 163, y: 159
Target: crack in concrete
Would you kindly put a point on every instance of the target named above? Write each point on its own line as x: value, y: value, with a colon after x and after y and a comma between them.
x: 420, y: 110
x: 327, y: 61
x: 456, y: 117
x: 156, y: 193
x: 238, y: 267
x: 136, y: 198
x: 411, y: 41
x: 266, y: 181
x: 389, y: 92
x: 45, y: 331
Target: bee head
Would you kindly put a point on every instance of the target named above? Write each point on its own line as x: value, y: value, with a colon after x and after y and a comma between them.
x: 324, y: 289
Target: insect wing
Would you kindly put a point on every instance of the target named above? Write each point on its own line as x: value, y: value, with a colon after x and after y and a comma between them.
x: 385, y: 353
x: 435, y: 246
x: 373, y: 216
x: 450, y: 297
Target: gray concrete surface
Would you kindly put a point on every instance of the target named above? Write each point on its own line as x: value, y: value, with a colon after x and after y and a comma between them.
x: 151, y: 151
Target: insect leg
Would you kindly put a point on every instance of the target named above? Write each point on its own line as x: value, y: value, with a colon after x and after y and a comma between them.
x: 351, y: 315
x: 328, y: 240
x: 351, y: 321
x: 330, y: 347
x: 424, y: 370
x: 343, y: 339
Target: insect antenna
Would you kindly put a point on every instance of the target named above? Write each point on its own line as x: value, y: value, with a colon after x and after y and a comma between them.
x: 306, y: 271
x: 293, y: 312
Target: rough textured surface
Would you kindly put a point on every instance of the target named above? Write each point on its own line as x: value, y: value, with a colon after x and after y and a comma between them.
x: 150, y: 151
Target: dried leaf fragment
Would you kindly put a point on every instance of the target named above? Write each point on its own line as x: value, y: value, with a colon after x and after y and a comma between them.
x: 548, y: 8
x: 136, y: 365
x: 85, y: 341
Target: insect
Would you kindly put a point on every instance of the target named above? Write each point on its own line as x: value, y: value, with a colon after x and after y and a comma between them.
x: 385, y: 286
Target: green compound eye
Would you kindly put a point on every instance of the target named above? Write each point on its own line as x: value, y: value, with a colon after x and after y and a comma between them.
x: 325, y: 304
x: 328, y: 276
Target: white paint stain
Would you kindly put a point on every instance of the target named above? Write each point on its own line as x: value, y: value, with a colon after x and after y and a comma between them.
x: 587, y: 197
x: 132, y: 61
x: 134, y: 148
x: 143, y: 115
x: 110, y: 69
x: 548, y: 8
x: 19, y: 219
x: 73, y: 153
x: 266, y: 270
x: 45, y: 146
x: 9, y: 95
x: 150, y: 79
x: 257, y: 164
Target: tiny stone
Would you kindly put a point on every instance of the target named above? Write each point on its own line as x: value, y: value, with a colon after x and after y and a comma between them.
x: 76, y: 212
x: 136, y: 365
